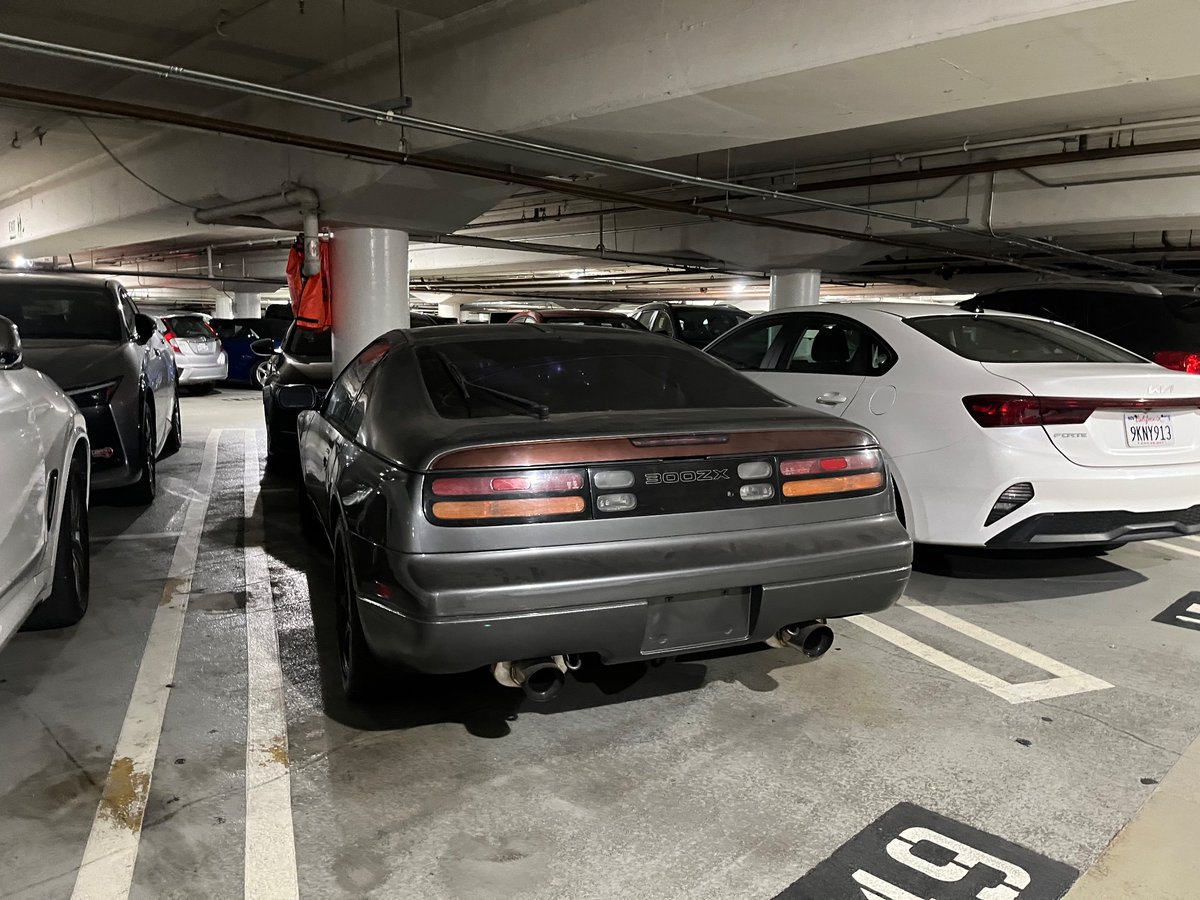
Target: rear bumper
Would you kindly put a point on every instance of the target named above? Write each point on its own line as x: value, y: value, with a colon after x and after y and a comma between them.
x: 203, y: 374
x: 625, y: 601
x: 1098, y: 527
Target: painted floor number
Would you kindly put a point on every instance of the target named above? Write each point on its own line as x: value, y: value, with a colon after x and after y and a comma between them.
x: 911, y: 853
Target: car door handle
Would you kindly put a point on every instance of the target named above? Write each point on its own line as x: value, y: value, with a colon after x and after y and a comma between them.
x: 832, y: 398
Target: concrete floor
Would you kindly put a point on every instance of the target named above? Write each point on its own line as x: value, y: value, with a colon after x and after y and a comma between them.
x: 717, y: 778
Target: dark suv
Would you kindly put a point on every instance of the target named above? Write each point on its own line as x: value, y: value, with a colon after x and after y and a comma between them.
x: 692, y: 324
x: 1161, y: 327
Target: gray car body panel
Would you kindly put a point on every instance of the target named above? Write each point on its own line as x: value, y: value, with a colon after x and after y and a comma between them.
x: 447, y: 599
x: 146, y: 371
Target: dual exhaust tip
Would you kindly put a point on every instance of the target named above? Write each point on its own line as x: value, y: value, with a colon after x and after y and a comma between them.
x: 542, y: 679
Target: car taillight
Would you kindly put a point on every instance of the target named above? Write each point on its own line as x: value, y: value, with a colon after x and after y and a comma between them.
x: 169, y: 337
x: 1179, y: 360
x: 523, y: 496
x: 819, y: 477
x: 993, y: 411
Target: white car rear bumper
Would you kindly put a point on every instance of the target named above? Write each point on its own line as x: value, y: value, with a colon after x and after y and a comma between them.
x: 949, y: 493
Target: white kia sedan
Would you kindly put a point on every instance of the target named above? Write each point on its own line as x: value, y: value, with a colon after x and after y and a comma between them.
x: 43, y: 498
x: 1001, y: 430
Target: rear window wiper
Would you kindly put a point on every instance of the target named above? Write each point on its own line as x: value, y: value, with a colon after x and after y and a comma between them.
x: 465, y: 386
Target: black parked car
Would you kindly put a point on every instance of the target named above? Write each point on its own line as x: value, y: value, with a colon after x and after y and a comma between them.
x: 303, y: 357
x: 1164, y: 328
x: 520, y: 497
x: 698, y: 326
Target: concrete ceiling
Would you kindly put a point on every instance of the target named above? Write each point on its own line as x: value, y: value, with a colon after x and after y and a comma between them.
x: 703, y: 86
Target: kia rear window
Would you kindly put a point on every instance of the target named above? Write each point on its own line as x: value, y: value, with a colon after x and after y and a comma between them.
x: 1000, y: 339
x: 61, y: 312
x: 577, y: 375
x: 188, y: 327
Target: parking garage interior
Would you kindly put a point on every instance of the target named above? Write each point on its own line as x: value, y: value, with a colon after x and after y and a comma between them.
x: 275, y: 195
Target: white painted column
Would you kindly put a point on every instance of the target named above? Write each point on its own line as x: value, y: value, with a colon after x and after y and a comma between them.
x: 224, y: 308
x: 795, y: 287
x: 449, y: 309
x: 247, y: 306
x: 370, y: 288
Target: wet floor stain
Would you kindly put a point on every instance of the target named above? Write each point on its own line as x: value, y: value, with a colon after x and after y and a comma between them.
x: 278, y: 752
x: 124, y: 798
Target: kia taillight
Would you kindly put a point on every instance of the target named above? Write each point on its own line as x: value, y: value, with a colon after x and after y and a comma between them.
x: 1179, y: 360
x: 820, y: 477
x: 995, y: 411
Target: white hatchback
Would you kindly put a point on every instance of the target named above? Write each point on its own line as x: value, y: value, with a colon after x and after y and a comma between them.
x: 43, y: 498
x: 1001, y: 430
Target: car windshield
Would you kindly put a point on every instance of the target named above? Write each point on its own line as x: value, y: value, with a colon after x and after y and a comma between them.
x: 61, y: 312
x: 1003, y: 339
x: 306, y: 342
x: 575, y: 375
x: 250, y: 329
x: 699, y: 325
x: 188, y: 327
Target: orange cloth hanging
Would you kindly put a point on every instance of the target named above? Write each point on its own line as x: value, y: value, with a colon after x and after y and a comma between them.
x: 312, y: 297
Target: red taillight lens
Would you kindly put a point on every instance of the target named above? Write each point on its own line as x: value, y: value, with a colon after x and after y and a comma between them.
x: 210, y: 328
x: 829, y: 465
x: 531, y: 482
x: 1004, y: 412
x: 169, y: 337
x: 818, y: 477
x: 1179, y: 360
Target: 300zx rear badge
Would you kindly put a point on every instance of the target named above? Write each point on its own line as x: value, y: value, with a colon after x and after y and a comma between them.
x: 687, y: 477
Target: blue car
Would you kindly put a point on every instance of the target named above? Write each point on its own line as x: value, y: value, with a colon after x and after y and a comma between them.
x: 245, y: 366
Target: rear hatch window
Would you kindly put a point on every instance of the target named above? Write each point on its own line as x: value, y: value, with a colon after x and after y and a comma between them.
x: 1004, y: 339
x: 577, y: 376
x: 61, y: 312
x: 188, y: 327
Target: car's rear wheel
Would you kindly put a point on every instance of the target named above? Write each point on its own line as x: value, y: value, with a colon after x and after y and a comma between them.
x: 359, y: 669
x: 146, y: 488
x: 68, y: 599
x: 175, y: 437
x: 259, y: 375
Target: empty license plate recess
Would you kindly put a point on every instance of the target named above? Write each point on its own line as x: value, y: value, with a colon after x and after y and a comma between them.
x: 685, y: 621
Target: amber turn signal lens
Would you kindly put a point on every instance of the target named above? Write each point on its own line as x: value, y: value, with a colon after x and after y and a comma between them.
x: 844, y: 484
x: 508, y: 509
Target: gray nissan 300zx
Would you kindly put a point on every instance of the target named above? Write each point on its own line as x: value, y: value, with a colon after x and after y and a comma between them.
x: 526, y: 498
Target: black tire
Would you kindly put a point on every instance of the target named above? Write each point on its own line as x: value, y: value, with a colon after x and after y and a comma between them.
x: 68, y: 599
x: 145, y: 489
x: 175, y: 437
x: 361, y: 673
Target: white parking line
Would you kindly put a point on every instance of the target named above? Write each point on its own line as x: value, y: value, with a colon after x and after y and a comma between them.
x: 1178, y: 548
x: 106, y: 871
x: 1066, y: 680
x: 270, y: 840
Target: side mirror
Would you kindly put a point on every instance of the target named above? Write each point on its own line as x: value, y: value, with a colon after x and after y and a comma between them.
x: 298, y: 397
x: 10, y: 346
x: 263, y: 347
x: 145, y: 328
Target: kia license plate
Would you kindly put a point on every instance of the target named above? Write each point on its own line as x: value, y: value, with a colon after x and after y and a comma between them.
x: 1148, y: 430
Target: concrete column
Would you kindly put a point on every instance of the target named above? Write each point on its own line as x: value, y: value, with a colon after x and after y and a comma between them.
x: 224, y: 308
x: 449, y: 309
x: 247, y: 306
x: 795, y: 287
x: 370, y: 288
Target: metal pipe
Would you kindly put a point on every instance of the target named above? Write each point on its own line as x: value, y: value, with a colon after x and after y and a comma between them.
x: 344, y: 149
x: 291, y: 196
x: 142, y: 273
x: 390, y: 117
